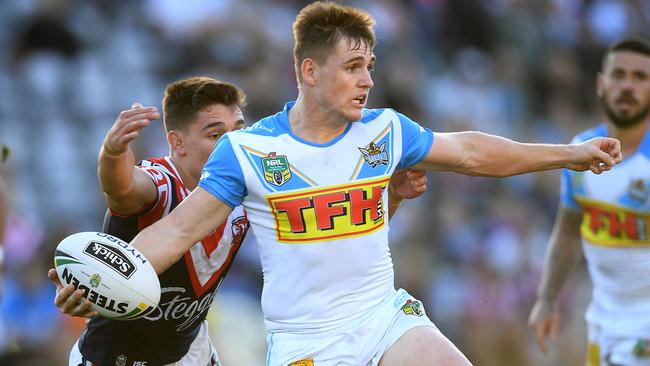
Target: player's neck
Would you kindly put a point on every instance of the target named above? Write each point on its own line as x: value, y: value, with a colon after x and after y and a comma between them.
x: 311, y: 123
x: 188, y: 180
x: 630, y: 137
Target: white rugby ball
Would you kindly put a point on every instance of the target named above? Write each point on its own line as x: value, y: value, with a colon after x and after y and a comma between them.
x: 117, y: 279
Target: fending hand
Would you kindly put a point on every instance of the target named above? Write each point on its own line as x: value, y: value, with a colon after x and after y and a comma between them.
x: 127, y: 126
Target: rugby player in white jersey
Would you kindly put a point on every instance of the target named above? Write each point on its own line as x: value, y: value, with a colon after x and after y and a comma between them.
x: 610, y: 213
x: 312, y: 179
x: 198, y: 111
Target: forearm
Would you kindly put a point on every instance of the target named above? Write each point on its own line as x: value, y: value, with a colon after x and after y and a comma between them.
x: 115, y: 172
x: 562, y: 256
x: 161, y: 244
x: 393, y: 203
x: 165, y: 242
x: 498, y: 156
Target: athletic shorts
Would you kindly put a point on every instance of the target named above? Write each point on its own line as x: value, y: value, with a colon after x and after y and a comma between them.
x: 605, y: 350
x: 359, y: 343
x: 201, y: 353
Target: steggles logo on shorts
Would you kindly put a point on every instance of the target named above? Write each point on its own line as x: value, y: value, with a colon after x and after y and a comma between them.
x: 642, y: 348
x: 413, y: 308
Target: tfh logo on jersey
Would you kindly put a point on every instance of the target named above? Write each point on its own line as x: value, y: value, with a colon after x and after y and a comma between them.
x: 329, y: 213
x: 111, y: 257
x: 375, y: 155
x: 610, y: 225
x: 276, y: 169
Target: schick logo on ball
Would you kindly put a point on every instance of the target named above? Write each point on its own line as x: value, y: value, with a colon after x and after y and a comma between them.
x: 112, y: 257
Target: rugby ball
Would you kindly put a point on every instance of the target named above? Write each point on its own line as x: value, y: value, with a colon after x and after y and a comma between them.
x: 117, y: 279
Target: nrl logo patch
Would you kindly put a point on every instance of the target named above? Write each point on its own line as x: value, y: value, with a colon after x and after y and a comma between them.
x: 413, y: 308
x: 638, y: 190
x: 276, y: 169
x: 375, y: 155
x: 95, y: 280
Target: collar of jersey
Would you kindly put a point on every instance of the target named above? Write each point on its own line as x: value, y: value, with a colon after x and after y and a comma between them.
x: 283, y: 120
x: 643, y: 148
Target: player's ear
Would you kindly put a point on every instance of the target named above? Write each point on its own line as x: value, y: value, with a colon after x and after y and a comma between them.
x: 175, y: 141
x: 309, y: 71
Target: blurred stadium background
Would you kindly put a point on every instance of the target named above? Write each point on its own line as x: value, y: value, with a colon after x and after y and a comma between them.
x: 471, y: 248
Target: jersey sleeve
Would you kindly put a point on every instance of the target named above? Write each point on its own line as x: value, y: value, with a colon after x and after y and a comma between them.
x: 222, y: 175
x: 566, y: 191
x: 416, y: 141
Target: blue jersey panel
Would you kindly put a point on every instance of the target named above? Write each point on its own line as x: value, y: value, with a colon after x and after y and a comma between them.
x: 222, y: 176
x: 566, y: 190
x: 416, y: 141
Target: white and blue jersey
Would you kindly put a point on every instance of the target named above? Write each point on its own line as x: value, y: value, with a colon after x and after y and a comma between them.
x: 318, y: 212
x: 615, y: 231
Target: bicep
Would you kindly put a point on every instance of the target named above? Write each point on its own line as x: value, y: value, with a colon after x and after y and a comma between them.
x: 447, y: 152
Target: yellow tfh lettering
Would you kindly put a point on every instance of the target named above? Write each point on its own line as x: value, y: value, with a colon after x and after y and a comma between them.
x: 328, y: 213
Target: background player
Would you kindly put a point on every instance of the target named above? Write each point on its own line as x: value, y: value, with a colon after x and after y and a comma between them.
x: 610, y: 214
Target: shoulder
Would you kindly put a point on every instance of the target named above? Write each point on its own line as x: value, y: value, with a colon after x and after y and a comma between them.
x: 268, y: 126
x: 598, y: 131
x: 369, y: 115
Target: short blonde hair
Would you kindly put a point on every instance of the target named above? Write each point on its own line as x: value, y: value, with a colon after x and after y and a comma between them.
x: 321, y: 25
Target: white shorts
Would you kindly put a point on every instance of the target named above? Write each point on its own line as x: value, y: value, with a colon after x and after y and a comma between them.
x: 201, y: 352
x: 359, y: 343
x: 606, y: 350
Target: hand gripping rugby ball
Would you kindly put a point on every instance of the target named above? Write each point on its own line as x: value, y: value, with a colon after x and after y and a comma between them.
x: 117, y: 279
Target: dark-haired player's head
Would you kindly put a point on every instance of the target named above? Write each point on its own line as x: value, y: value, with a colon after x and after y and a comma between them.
x: 197, y: 112
x: 624, y: 82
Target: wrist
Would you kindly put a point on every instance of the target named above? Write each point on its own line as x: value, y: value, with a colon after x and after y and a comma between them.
x: 108, y: 151
x: 393, y: 198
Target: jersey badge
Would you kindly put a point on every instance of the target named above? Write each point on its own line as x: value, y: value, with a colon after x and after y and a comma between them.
x: 638, y: 190
x: 276, y: 169
x: 375, y: 155
x: 120, y: 360
x: 413, y: 308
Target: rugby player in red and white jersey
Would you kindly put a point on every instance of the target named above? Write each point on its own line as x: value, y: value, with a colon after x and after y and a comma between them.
x: 197, y: 112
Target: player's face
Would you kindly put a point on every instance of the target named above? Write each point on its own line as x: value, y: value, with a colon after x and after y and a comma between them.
x: 201, y: 136
x: 624, y: 88
x: 344, y: 80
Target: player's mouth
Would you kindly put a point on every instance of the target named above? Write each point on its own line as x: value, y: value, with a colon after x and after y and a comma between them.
x: 360, y: 100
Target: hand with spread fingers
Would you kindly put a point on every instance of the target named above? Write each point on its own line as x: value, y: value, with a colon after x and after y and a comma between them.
x: 127, y: 127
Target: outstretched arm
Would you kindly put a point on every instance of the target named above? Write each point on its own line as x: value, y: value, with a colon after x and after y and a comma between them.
x: 165, y: 242
x: 126, y: 188
x: 563, y: 255
x: 475, y: 153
